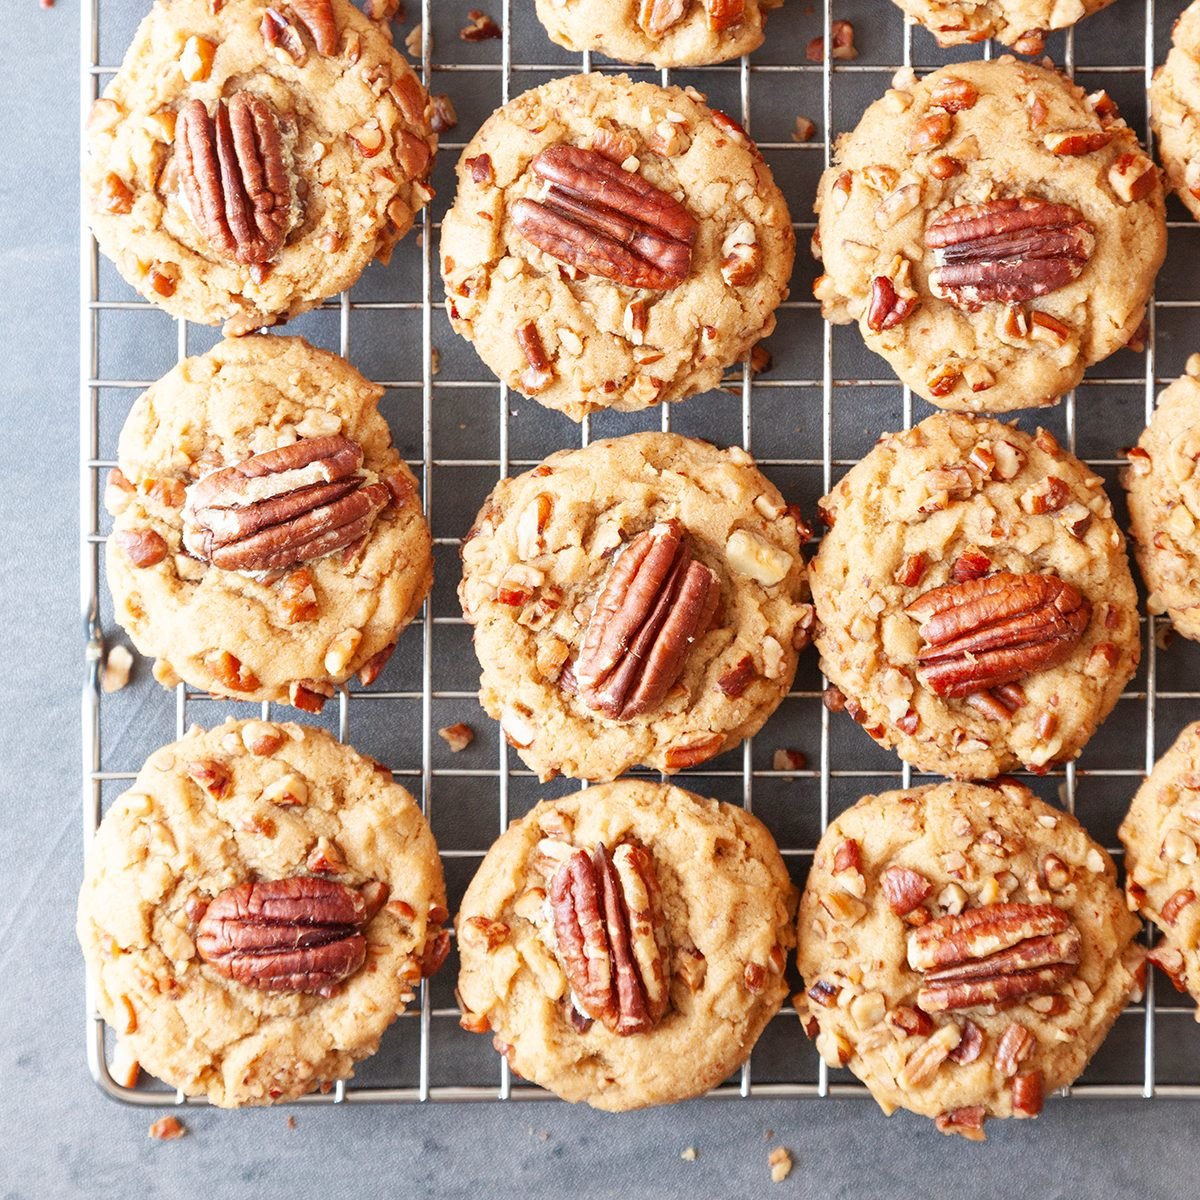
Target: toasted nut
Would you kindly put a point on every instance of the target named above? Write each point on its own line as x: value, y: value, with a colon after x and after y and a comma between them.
x: 117, y: 666
x: 167, y: 1129
x: 288, y: 791
x: 751, y: 555
x: 197, y: 59
x: 457, y: 737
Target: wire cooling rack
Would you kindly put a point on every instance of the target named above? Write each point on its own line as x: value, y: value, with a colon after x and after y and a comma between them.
x: 807, y: 419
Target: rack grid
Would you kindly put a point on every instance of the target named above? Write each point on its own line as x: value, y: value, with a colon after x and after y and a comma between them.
x: 461, y: 431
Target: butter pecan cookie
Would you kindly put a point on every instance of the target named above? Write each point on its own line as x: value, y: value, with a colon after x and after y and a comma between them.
x: 256, y: 910
x: 268, y: 541
x: 627, y: 944
x: 666, y: 33
x: 993, y: 231
x: 1162, y: 864
x: 637, y: 601
x: 974, y: 602
x: 1163, y: 481
x: 965, y: 949
x: 1175, y: 110
x: 250, y: 158
x: 613, y: 244
x: 1021, y: 24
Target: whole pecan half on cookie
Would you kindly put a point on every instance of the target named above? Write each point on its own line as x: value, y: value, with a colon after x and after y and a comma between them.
x: 611, y: 936
x: 234, y: 176
x: 994, y: 954
x: 301, y: 934
x: 987, y: 632
x: 289, y: 505
x: 1007, y: 250
x: 654, y: 605
x: 602, y: 219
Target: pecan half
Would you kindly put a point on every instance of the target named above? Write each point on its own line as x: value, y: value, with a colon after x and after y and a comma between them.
x: 290, y: 505
x: 986, y: 956
x: 318, y: 17
x: 653, y: 606
x: 611, y: 936
x: 1007, y: 250
x: 985, y: 632
x: 655, y: 17
x: 289, y: 935
x: 607, y: 221
x: 234, y: 177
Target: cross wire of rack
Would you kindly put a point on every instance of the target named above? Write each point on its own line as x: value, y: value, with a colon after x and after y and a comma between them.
x: 440, y: 1062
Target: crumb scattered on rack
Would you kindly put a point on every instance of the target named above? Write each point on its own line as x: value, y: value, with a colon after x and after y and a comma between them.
x: 167, y: 1129
x: 457, y: 737
x: 117, y: 666
x: 842, y: 47
x: 786, y: 759
x: 480, y: 28
x: 804, y: 130
x: 781, y: 1164
x: 291, y: 1122
x: 412, y: 40
x: 444, y: 118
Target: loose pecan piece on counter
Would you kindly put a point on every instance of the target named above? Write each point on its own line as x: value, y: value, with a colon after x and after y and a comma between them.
x: 987, y: 632
x: 602, y: 219
x: 656, y: 602
x: 233, y: 176
x: 284, y: 506
x: 611, y: 936
x: 1007, y: 250
x: 987, y: 956
x: 289, y: 935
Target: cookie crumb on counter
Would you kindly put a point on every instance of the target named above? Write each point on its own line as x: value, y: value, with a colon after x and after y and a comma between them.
x: 167, y: 1129
x: 291, y: 1122
x: 689, y: 1154
x: 781, y: 1164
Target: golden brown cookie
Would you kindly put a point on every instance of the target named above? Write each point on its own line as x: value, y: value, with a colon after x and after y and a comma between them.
x: 1021, y: 24
x: 1175, y: 110
x: 627, y: 944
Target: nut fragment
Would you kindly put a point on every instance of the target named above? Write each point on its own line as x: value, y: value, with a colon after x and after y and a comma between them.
x: 479, y: 28
x: 117, y: 665
x: 904, y: 889
x: 167, y: 1129
x: 752, y: 555
x: 457, y: 737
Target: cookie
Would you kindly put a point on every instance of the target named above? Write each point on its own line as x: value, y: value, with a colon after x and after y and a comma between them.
x: 250, y: 159
x: 200, y: 882
x: 992, y: 230
x: 1021, y: 24
x: 666, y: 33
x: 268, y: 541
x: 637, y: 601
x: 1175, y: 110
x: 627, y: 944
x: 975, y: 609
x: 1163, y: 482
x: 965, y: 949
x: 1160, y: 836
x: 613, y: 244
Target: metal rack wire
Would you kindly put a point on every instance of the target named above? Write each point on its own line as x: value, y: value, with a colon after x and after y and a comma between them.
x: 443, y: 418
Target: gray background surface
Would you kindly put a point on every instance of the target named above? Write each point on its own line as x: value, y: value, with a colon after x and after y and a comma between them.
x: 60, y: 1138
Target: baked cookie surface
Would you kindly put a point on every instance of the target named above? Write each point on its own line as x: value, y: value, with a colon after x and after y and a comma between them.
x: 993, y: 231
x: 1022, y: 24
x: 638, y: 601
x: 613, y: 244
x: 665, y: 33
x: 1163, y: 482
x: 1160, y: 835
x: 249, y: 159
x: 974, y: 601
x: 965, y: 949
x: 685, y: 907
x: 268, y: 540
x: 257, y: 909
x: 1175, y: 110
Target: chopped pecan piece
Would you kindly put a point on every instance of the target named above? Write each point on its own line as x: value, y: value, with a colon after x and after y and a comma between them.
x: 318, y: 18
x: 904, y: 889
x: 888, y: 307
x: 655, y: 17
x: 143, y: 547
x: 611, y: 936
x: 291, y: 935
x: 653, y: 606
x: 607, y: 221
x: 1176, y: 904
x: 723, y: 14
x: 1007, y: 250
x: 985, y: 632
x: 285, y: 506
x: 966, y: 1122
x: 234, y: 176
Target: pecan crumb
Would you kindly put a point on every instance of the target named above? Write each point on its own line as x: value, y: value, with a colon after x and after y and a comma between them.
x: 457, y: 737
x: 789, y: 760
x: 480, y: 28
x: 443, y: 117
x: 291, y: 1122
x: 804, y: 130
x: 167, y: 1129
x: 781, y: 1164
x: 116, y: 668
x: 688, y: 1154
x: 842, y: 47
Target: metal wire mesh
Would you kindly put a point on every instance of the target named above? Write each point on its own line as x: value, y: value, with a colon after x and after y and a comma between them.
x: 817, y: 410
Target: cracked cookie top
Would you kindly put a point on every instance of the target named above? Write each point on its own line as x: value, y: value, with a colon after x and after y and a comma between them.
x: 627, y: 944
x: 1163, y: 481
x: 198, y: 878
x: 637, y: 601
x: 1021, y: 24
x: 974, y: 602
x: 613, y: 244
x: 993, y: 231
x: 249, y: 160
x: 268, y: 542
x: 1162, y: 864
x: 1175, y: 110
x: 665, y: 33
x: 965, y: 949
